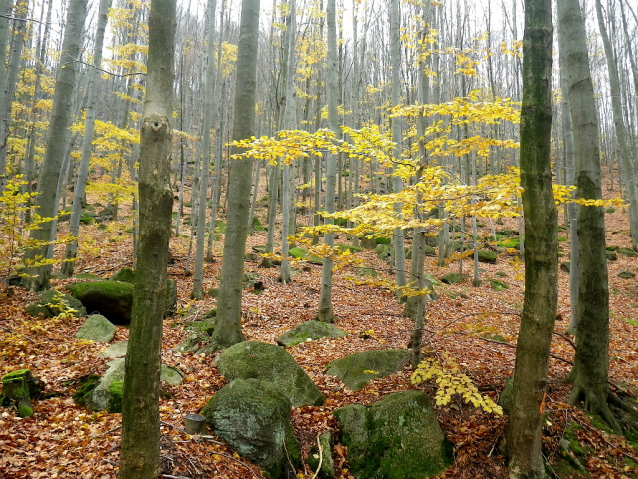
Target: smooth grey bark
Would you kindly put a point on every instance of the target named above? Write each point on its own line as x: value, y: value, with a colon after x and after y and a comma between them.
x: 228, y: 326
x: 140, y: 406
x: 198, y: 290
x: 57, y: 142
x: 415, y: 305
x: 589, y: 373
x: 325, y: 312
x: 397, y: 182
x: 572, y: 210
x: 29, y: 162
x: 621, y: 130
x: 87, y: 142
x: 289, y: 123
x: 523, y: 437
x: 10, y: 81
x: 220, y: 88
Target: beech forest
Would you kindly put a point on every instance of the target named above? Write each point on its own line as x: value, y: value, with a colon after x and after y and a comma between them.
x: 318, y: 239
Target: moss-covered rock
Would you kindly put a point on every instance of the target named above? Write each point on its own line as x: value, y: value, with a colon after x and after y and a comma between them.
x: 51, y: 303
x: 486, y: 256
x: 126, y: 275
x: 611, y: 255
x: 344, y: 247
x: 116, y: 391
x: 309, y: 331
x: 267, y: 362
x: 627, y: 252
x: 326, y: 467
x: 397, y: 438
x: 451, y: 278
x: 86, y: 387
x: 383, y: 251
x: 97, y: 328
x: 18, y: 388
x: 114, y: 299
x: 498, y: 285
x: 105, y: 398
x: 301, y: 253
x: 253, y: 417
x: 357, y: 370
x: 626, y: 275
x: 117, y: 350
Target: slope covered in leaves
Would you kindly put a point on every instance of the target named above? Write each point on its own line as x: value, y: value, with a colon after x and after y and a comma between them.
x: 475, y: 325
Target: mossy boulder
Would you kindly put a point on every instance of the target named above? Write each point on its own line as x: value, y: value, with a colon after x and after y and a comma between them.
x: 18, y: 388
x: 114, y: 299
x: 344, y: 247
x: 384, y: 252
x: 267, y: 362
x: 104, y: 397
x: 327, y: 465
x: 51, y: 303
x: 486, y: 256
x: 626, y: 275
x: 357, y: 370
x: 117, y: 350
x: 301, y: 253
x: 627, y: 252
x: 611, y: 255
x: 498, y: 285
x: 309, y: 331
x: 116, y: 391
x: 371, y: 272
x: 86, y: 387
x: 565, y: 266
x: 253, y: 418
x: 396, y: 438
x: 451, y: 278
x: 97, y: 328
x: 127, y: 275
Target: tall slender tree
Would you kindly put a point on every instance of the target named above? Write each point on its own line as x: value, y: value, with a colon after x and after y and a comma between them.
x: 589, y: 373
x: 541, y: 290
x: 198, y: 290
x: 228, y: 326
x: 140, y: 406
x: 626, y: 161
x: 87, y: 141
x: 325, y: 312
x: 57, y: 142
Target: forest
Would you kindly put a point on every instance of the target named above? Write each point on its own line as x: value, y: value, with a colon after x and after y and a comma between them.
x: 318, y: 239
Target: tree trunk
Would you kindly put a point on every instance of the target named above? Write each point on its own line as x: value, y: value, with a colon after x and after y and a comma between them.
x: 523, y: 439
x: 10, y: 80
x: 287, y: 198
x: 198, y: 290
x: 228, y: 328
x: 621, y: 130
x: 589, y: 373
x: 140, y: 406
x: 57, y: 142
x: 87, y: 142
x: 325, y: 312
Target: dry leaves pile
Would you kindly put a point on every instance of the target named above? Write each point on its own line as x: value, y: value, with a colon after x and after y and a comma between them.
x: 63, y: 440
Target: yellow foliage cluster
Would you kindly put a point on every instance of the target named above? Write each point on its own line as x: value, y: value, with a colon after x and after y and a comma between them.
x: 451, y: 381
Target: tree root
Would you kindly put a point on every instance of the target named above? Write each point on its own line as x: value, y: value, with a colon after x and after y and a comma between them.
x: 596, y: 401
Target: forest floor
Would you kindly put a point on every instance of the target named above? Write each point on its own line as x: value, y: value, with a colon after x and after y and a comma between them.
x: 64, y: 440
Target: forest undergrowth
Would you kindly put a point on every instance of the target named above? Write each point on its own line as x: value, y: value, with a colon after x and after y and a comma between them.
x: 475, y: 325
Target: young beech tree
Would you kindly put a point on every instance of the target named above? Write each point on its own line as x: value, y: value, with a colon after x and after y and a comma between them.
x: 87, y: 142
x: 589, y: 374
x: 523, y: 440
x: 57, y: 142
x: 228, y: 328
x: 140, y: 406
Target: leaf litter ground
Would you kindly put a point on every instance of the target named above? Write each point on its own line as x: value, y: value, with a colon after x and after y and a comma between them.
x: 476, y: 325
